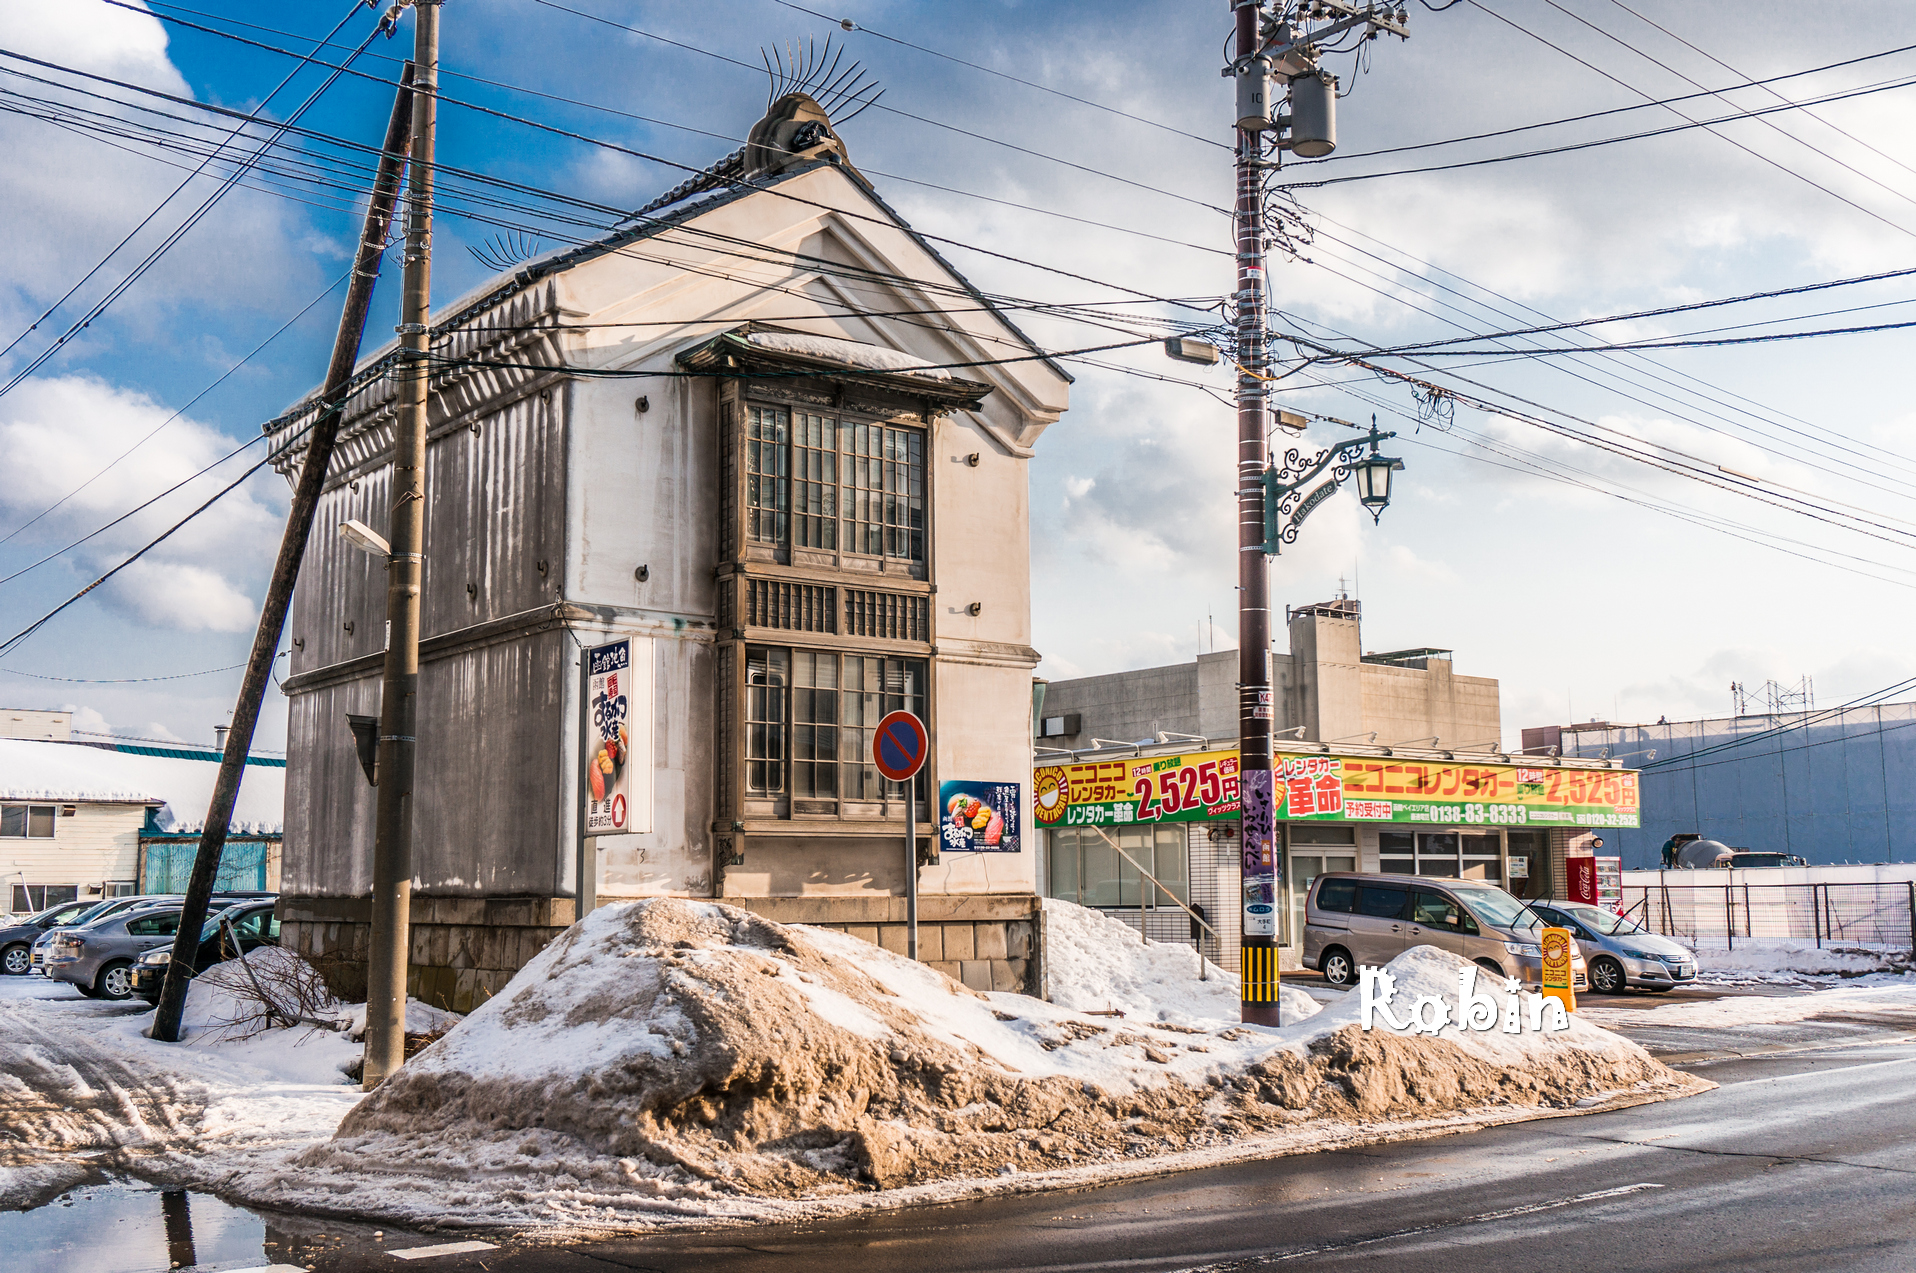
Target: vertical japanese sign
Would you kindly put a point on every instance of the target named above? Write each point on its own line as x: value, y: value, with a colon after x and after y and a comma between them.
x: 608, y: 738
x: 1260, y: 856
x: 980, y: 817
x: 1558, y: 951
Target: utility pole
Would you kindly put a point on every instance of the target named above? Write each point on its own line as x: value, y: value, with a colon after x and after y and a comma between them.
x: 405, y: 570
x: 1267, y: 52
x: 292, y: 548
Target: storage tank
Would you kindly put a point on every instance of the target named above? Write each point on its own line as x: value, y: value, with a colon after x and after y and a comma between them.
x: 1702, y: 854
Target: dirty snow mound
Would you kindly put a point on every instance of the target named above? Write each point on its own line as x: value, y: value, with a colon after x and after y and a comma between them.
x: 1787, y: 962
x: 1096, y: 964
x: 672, y: 1061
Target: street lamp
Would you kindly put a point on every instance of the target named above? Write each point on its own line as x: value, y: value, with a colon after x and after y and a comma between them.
x: 1373, y: 481
x: 1285, y: 504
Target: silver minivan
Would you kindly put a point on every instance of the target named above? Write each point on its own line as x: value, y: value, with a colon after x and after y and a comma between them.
x: 1353, y: 919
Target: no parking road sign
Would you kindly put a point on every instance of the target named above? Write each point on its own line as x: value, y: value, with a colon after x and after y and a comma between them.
x: 898, y: 748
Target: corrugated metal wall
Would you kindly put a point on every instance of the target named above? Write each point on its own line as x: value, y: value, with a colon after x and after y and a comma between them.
x: 489, y: 714
x: 1836, y: 786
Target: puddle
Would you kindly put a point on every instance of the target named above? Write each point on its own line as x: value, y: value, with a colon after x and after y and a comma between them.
x: 130, y: 1227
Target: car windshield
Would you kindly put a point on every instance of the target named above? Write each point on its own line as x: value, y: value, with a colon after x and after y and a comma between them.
x: 90, y: 914
x: 212, y: 924
x: 1599, y: 921
x: 1498, y: 908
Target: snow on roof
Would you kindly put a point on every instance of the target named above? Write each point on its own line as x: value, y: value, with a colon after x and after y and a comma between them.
x: 35, y: 770
x: 852, y: 353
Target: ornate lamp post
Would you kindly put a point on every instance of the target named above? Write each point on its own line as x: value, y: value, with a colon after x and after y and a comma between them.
x: 1286, y: 505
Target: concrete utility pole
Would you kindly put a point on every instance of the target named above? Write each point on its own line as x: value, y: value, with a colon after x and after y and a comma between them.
x: 1258, y: 946
x: 292, y: 548
x: 1267, y: 52
x: 405, y: 569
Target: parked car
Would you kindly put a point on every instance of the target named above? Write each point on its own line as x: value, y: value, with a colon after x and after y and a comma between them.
x: 1621, y: 952
x: 98, y: 957
x: 234, y: 932
x: 16, y: 940
x: 1743, y: 859
x: 36, y: 960
x: 1352, y: 919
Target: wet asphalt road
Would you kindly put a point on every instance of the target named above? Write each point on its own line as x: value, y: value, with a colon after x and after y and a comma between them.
x: 1804, y: 1159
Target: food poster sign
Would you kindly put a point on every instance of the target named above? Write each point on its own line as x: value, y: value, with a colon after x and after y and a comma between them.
x: 1203, y: 785
x: 1187, y: 788
x: 979, y: 817
x: 608, y: 738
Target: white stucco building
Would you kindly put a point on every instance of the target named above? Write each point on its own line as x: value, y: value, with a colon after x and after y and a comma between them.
x: 770, y: 437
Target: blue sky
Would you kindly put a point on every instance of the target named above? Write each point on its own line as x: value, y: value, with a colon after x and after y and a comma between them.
x: 1582, y: 602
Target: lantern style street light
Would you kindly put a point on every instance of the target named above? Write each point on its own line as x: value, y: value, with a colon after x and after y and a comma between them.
x: 1286, y: 504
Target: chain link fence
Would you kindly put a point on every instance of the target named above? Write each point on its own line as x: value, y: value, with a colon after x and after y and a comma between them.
x: 1879, y: 915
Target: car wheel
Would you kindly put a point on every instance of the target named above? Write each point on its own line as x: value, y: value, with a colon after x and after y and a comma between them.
x: 115, y: 981
x: 1492, y: 967
x: 1337, y: 967
x: 16, y: 961
x: 1606, y: 976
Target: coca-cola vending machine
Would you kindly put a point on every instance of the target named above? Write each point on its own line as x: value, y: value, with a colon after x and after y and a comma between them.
x: 1581, y: 873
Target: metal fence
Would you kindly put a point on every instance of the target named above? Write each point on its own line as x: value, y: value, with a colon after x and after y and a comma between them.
x: 1871, y: 914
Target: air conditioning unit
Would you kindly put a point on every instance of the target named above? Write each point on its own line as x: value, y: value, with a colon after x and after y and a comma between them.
x: 1060, y: 726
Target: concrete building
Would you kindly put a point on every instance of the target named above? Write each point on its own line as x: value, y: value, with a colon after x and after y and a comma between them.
x: 1830, y: 786
x: 85, y: 820
x: 766, y: 440
x: 1329, y: 689
x: 1387, y: 762
x: 27, y: 722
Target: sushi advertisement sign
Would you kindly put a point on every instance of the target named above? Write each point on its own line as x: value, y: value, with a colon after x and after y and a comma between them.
x: 608, y: 738
x: 979, y: 817
x: 1202, y: 785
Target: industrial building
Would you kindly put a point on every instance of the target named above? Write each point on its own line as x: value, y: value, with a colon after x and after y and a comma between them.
x: 1829, y: 786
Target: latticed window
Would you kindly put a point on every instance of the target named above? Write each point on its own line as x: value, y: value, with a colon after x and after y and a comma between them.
x: 814, y: 482
x: 820, y: 710
x: 767, y: 680
x: 767, y: 490
x: 820, y: 482
x: 884, y: 490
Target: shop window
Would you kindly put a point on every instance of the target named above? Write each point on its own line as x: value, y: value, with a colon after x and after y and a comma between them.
x: 1397, y: 853
x: 119, y: 888
x: 27, y: 821
x: 810, y: 716
x: 1088, y: 868
x: 823, y: 482
x: 1321, y: 833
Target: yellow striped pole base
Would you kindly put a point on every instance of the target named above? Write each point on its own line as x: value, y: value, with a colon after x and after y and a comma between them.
x: 1260, y: 982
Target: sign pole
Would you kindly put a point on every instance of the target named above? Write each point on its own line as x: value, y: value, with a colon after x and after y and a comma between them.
x: 911, y: 868
x: 899, y: 747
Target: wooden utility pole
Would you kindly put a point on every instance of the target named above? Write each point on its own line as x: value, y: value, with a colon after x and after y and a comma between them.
x: 405, y: 570
x: 292, y: 548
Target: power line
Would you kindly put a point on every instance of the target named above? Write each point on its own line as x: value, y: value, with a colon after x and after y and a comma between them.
x: 1346, y: 156
x: 154, y: 432
x: 180, y: 231
x: 849, y: 25
x: 1482, y: 8
x: 124, y: 680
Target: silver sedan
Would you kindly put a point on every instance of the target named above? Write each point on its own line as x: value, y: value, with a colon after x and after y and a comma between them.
x: 1621, y: 953
x: 98, y: 957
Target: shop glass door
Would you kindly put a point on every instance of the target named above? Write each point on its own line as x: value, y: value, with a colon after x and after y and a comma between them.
x: 1312, y: 850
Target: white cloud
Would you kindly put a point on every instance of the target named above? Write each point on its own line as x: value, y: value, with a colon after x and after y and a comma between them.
x: 56, y: 433
x: 182, y: 597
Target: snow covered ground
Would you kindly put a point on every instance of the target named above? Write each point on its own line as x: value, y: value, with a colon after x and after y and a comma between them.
x: 1795, y: 963
x: 674, y: 1063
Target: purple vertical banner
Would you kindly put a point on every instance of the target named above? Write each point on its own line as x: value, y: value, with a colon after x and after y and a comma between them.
x: 1260, y: 857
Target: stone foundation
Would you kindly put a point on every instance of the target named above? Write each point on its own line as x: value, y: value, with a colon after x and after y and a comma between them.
x: 465, y: 949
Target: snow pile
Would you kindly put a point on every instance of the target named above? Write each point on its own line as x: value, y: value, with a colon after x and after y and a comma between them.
x: 1787, y: 962
x: 671, y: 1061
x: 852, y: 353
x: 1097, y: 964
